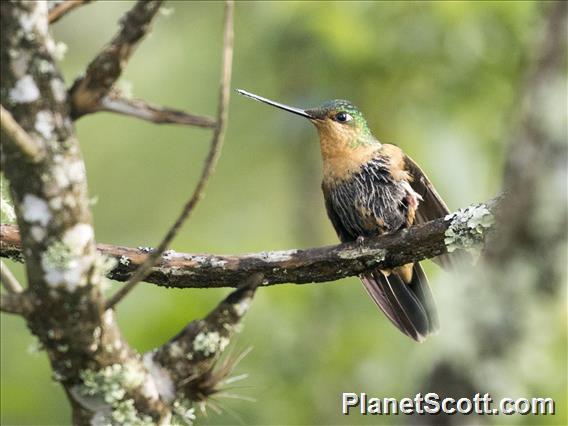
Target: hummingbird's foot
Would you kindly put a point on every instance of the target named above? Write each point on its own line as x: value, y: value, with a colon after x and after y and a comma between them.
x: 360, y: 240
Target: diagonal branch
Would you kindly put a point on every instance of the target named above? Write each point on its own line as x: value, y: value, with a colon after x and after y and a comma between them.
x: 466, y: 228
x: 189, y: 357
x: 19, y: 138
x: 115, y: 102
x: 9, y: 281
x: 208, y: 168
x: 103, y: 71
x: 61, y: 9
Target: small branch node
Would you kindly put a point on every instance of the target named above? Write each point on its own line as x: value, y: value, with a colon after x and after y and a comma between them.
x: 105, y: 69
x: 19, y: 138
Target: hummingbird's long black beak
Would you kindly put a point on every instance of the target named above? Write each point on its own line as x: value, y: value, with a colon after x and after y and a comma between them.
x: 293, y: 110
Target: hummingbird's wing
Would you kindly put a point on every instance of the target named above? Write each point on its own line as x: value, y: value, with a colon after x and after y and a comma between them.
x: 431, y: 207
x: 340, y: 230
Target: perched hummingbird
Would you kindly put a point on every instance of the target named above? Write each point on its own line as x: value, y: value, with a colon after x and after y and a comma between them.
x: 372, y: 189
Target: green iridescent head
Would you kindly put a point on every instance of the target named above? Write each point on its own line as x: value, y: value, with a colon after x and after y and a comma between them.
x: 336, y: 117
x: 340, y: 111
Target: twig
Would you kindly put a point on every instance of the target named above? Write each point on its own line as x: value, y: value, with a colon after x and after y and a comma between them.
x: 61, y: 9
x: 103, y: 71
x: 12, y: 304
x: 321, y: 264
x: 156, y: 114
x: 208, y: 168
x: 19, y: 138
x: 9, y: 281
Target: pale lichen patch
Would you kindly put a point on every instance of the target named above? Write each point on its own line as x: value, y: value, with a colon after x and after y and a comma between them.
x: 103, y: 265
x: 59, y: 50
x: 106, y: 383
x: 36, y: 20
x: 161, y: 377
x: 58, y: 89
x: 218, y: 263
x: 168, y: 254
x: 37, y: 232
x: 65, y: 262
x: 175, y: 350
x: 59, y: 176
x: 104, y: 392
x: 277, y: 256
x: 133, y: 375
x: 468, y: 228
x: 183, y: 411
x: 76, y: 171
x: 35, y: 210
x: 78, y: 237
x: 242, y: 306
x: 44, y: 66
x: 208, y: 343
x: 125, y: 413
x: 25, y: 90
x: 44, y: 124
x: 55, y: 261
x: 378, y: 254
x: 108, y: 317
x: 56, y: 203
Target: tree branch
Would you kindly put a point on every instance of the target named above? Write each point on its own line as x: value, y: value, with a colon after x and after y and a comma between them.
x: 103, y: 71
x: 61, y: 9
x: 185, y: 270
x: 19, y: 138
x: 208, y: 168
x: 8, y: 279
x: 51, y: 201
x: 143, y: 110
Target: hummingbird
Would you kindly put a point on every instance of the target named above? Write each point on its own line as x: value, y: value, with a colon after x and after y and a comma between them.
x: 373, y: 189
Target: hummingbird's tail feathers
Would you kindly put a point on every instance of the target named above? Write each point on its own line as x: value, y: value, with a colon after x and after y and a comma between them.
x: 420, y: 287
x: 410, y: 307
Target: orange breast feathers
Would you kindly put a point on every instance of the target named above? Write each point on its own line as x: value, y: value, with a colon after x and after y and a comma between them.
x: 341, y: 152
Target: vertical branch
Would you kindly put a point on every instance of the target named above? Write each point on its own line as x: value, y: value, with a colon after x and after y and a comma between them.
x: 538, y: 147
x: 63, y: 303
x: 525, y: 260
x: 208, y: 168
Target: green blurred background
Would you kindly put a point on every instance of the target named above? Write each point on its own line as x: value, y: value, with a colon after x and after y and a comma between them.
x: 439, y: 79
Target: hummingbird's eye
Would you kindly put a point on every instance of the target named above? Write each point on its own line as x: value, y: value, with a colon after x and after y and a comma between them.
x: 342, y: 117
